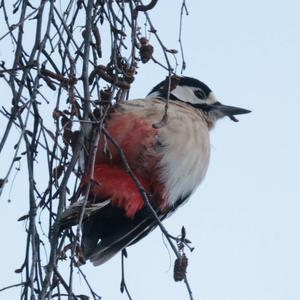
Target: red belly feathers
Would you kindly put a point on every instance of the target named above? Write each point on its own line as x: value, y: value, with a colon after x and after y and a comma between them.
x: 137, y: 138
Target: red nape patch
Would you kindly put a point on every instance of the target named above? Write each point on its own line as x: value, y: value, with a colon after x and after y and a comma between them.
x: 112, y: 181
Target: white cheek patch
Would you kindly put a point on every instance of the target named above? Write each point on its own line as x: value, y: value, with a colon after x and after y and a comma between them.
x: 187, y: 94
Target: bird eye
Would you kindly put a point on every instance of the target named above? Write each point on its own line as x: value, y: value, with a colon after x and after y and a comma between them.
x: 200, y: 94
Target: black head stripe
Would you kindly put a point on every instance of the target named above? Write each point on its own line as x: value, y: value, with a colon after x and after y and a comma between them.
x: 204, y: 90
x: 158, y: 87
x: 193, y: 82
x: 204, y: 107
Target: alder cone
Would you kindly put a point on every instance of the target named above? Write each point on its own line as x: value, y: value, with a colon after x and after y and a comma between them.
x: 180, y: 267
x: 146, y: 52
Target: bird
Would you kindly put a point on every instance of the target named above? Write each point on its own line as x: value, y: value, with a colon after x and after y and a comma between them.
x: 168, y: 153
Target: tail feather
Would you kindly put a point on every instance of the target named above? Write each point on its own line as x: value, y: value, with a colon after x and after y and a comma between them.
x: 106, y: 229
x: 110, y: 246
x: 71, y: 215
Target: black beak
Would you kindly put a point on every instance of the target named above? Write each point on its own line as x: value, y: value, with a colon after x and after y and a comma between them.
x: 229, y: 111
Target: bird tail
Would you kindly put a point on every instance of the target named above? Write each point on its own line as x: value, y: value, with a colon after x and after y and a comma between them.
x: 106, y: 229
x: 111, y: 245
x: 71, y: 215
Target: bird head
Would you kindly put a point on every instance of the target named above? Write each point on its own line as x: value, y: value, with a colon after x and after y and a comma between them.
x: 197, y: 94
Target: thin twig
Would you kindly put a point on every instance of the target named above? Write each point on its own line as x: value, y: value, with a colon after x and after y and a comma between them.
x: 12, y: 286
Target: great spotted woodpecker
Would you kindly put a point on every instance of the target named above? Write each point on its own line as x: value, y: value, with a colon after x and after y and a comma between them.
x: 170, y: 161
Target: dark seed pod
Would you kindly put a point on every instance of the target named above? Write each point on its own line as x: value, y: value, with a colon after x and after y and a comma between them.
x: 146, y: 53
x: 146, y: 50
x: 57, y: 172
x: 56, y: 114
x: 106, y: 94
x: 67, y: 136
x: 180, y: 267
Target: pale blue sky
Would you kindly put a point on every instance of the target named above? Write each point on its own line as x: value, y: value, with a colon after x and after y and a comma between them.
x: 244, y: 219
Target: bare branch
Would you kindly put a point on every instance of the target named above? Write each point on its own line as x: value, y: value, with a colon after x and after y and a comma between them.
x: 70, y: 62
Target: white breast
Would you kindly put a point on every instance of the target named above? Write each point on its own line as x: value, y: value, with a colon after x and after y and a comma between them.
x: 186, y: 153
x: 185, y: 146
